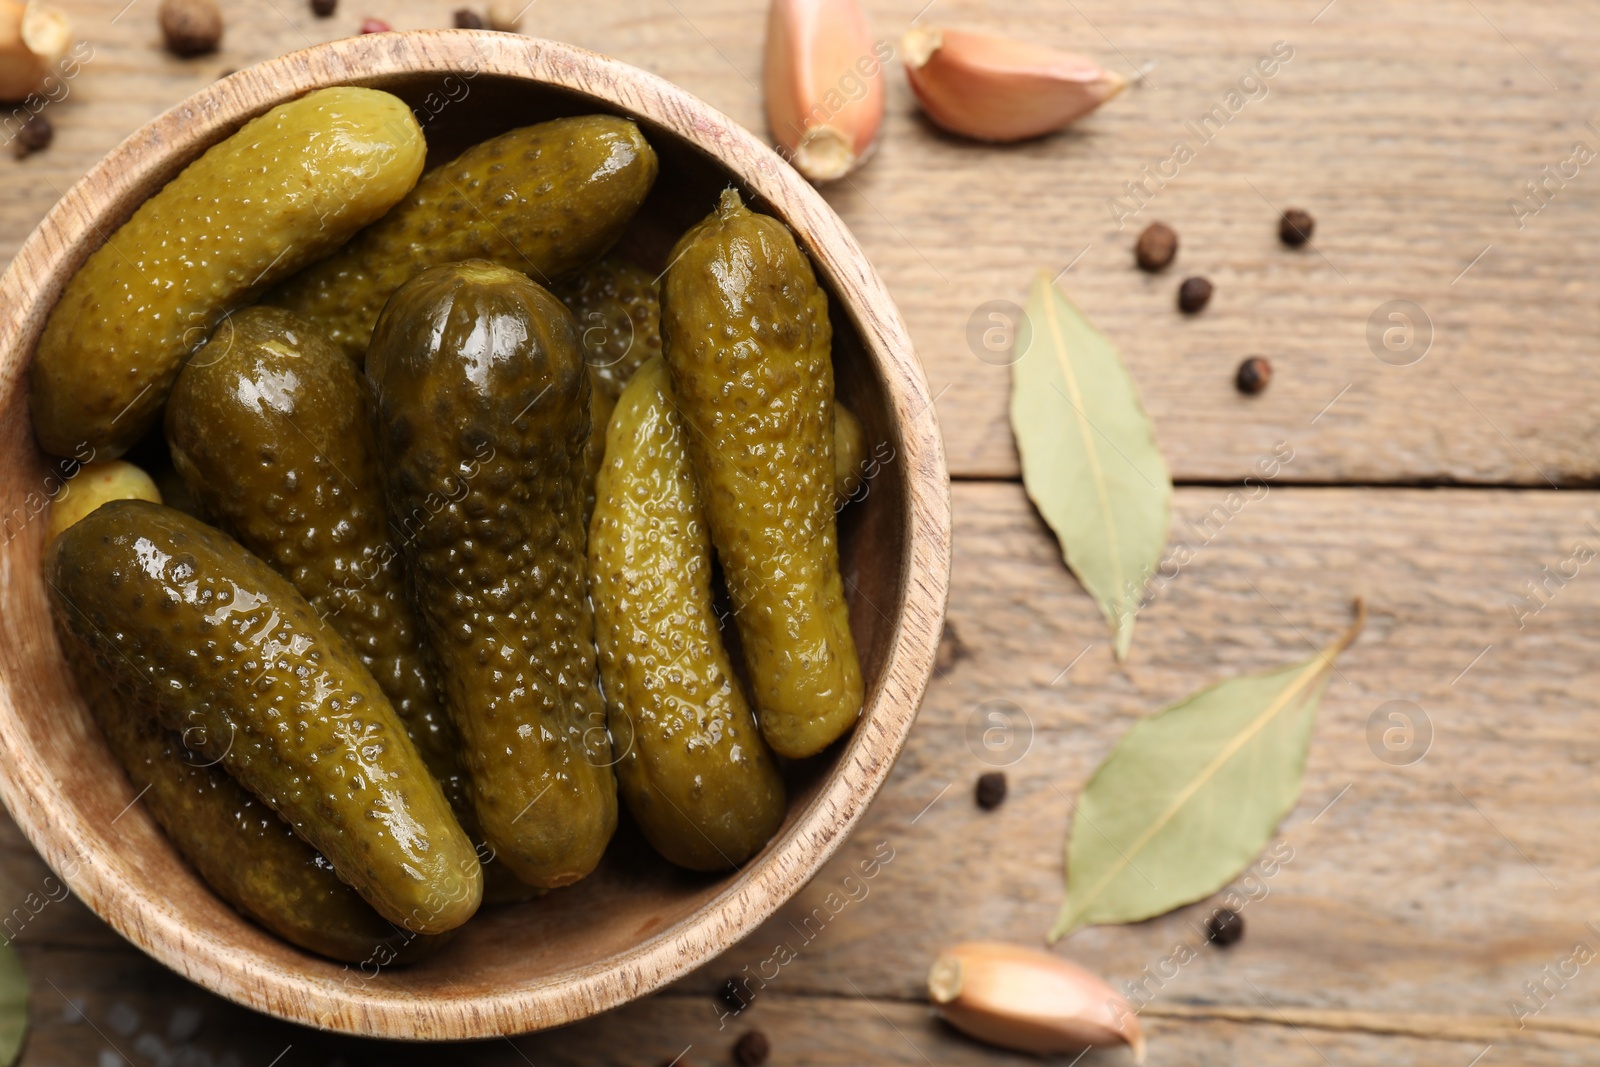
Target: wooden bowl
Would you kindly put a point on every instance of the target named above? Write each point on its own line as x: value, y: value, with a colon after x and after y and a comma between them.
x: 637, y: 923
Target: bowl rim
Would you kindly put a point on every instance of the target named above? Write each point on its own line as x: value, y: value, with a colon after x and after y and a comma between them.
x: 108, y: 887
x: 106, y: 884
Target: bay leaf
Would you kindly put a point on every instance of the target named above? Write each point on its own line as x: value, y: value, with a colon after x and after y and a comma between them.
x: 13, y: 1005
x: 1089, y: 456
x: 1191, y: 795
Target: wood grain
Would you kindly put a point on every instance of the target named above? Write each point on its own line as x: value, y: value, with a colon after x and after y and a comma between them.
x: 1421, y: 892
x: 1405, y: 130
x: 637, y: 923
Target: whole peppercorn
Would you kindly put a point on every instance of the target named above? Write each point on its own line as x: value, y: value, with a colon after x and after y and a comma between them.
x: 1193, y: 295
x: 752, y: 1049
x: 991, y: 791
x: 34, y: 136
x: 468, y: 19
x: 1156, y: 247
x: 323, y: 8
x: 1296, y: 226
x: 191, y: 27
x: 736, y: 995
x: 1225, y: 927
x: 375, y: 26
x: 1254, y: 375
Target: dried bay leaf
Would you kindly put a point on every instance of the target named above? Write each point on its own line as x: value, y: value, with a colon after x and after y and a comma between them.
x: 1089, y: 457
x: 1191, y: 795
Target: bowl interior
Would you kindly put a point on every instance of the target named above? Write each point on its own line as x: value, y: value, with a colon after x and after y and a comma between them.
x: 79, y: 806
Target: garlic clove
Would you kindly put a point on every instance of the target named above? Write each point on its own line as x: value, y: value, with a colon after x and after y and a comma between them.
x: 506, y: 15
x: 46, y: 31
x: 824, y: 95
x: 999, y: 89
x: 1029, y: 1000
x: 33, y: 37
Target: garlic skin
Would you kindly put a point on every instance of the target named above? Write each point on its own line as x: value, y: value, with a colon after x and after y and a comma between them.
x: 824, y: 92
x: 998, y: 89
x: 506, y: 15
x: 33, y: 38
x: 1029, y: 1000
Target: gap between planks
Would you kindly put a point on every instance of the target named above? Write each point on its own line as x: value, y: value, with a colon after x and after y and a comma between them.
x: 1479, y: 1027
x: 1289, y: 483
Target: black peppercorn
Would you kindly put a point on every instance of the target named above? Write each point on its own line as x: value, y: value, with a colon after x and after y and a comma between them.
x: 752, y: 1049
x: 991, y: 790
x: 1156, y: 247
x: 1193, y: 295
x: 1225, y: 927
x: 736, y: 995
x: 323, y: 8
x: 468, y: 19
x: 190, y: 27
x: 1254, y: 375
x: 34, y: 136
x: 1296, y: 226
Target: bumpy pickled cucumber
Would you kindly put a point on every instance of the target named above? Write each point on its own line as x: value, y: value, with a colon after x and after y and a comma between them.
x: 270, y: 427
x: 544, y: 200
x: 238, y: 845
x: 482, y: 403
x: 284, y: 191
x: 618, y: 310
x: 693, y: 768
x: 94, y: 484
x: 178, y: 613
x: 746, y: 337
x: 849, y: 449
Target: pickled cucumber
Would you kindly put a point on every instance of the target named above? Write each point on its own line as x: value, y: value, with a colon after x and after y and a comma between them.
x: 245, y: 852
x: 545, y: 200
x: 284, y: 191
x: 746, y: 338
x: 693, y: 768
x: 177, y: 613
x: 617, y: 307
x: 270, y: 427
x: 93, y: 485
x: 618, y: 310
x: 482, y: 403
x: 849, y: 450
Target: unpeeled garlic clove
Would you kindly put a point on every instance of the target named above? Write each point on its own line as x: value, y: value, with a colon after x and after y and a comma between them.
x: 824, y: 95
x: 1032, y: 1001
x: 33, y: 38
x: 999, y: 89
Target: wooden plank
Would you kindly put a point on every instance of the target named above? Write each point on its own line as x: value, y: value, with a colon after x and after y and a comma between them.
x: 1438, y: 887
x: 1441, y: 886
x: 1406, y: 130
x: 100, y: 1007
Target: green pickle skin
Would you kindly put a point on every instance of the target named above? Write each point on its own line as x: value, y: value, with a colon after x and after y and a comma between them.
x: 617, y: 307
x: 283, y: 192
x: 482, y: 405
x: 234, y: 658
x: 243, y: 850
x: 747, y: 340
x: 693, y: 770
x: 545, y: 200
x: 849, y: 452
x: 270, y: 426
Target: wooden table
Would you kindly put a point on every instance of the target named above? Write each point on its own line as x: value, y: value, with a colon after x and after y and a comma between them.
x: 1437, y: 480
